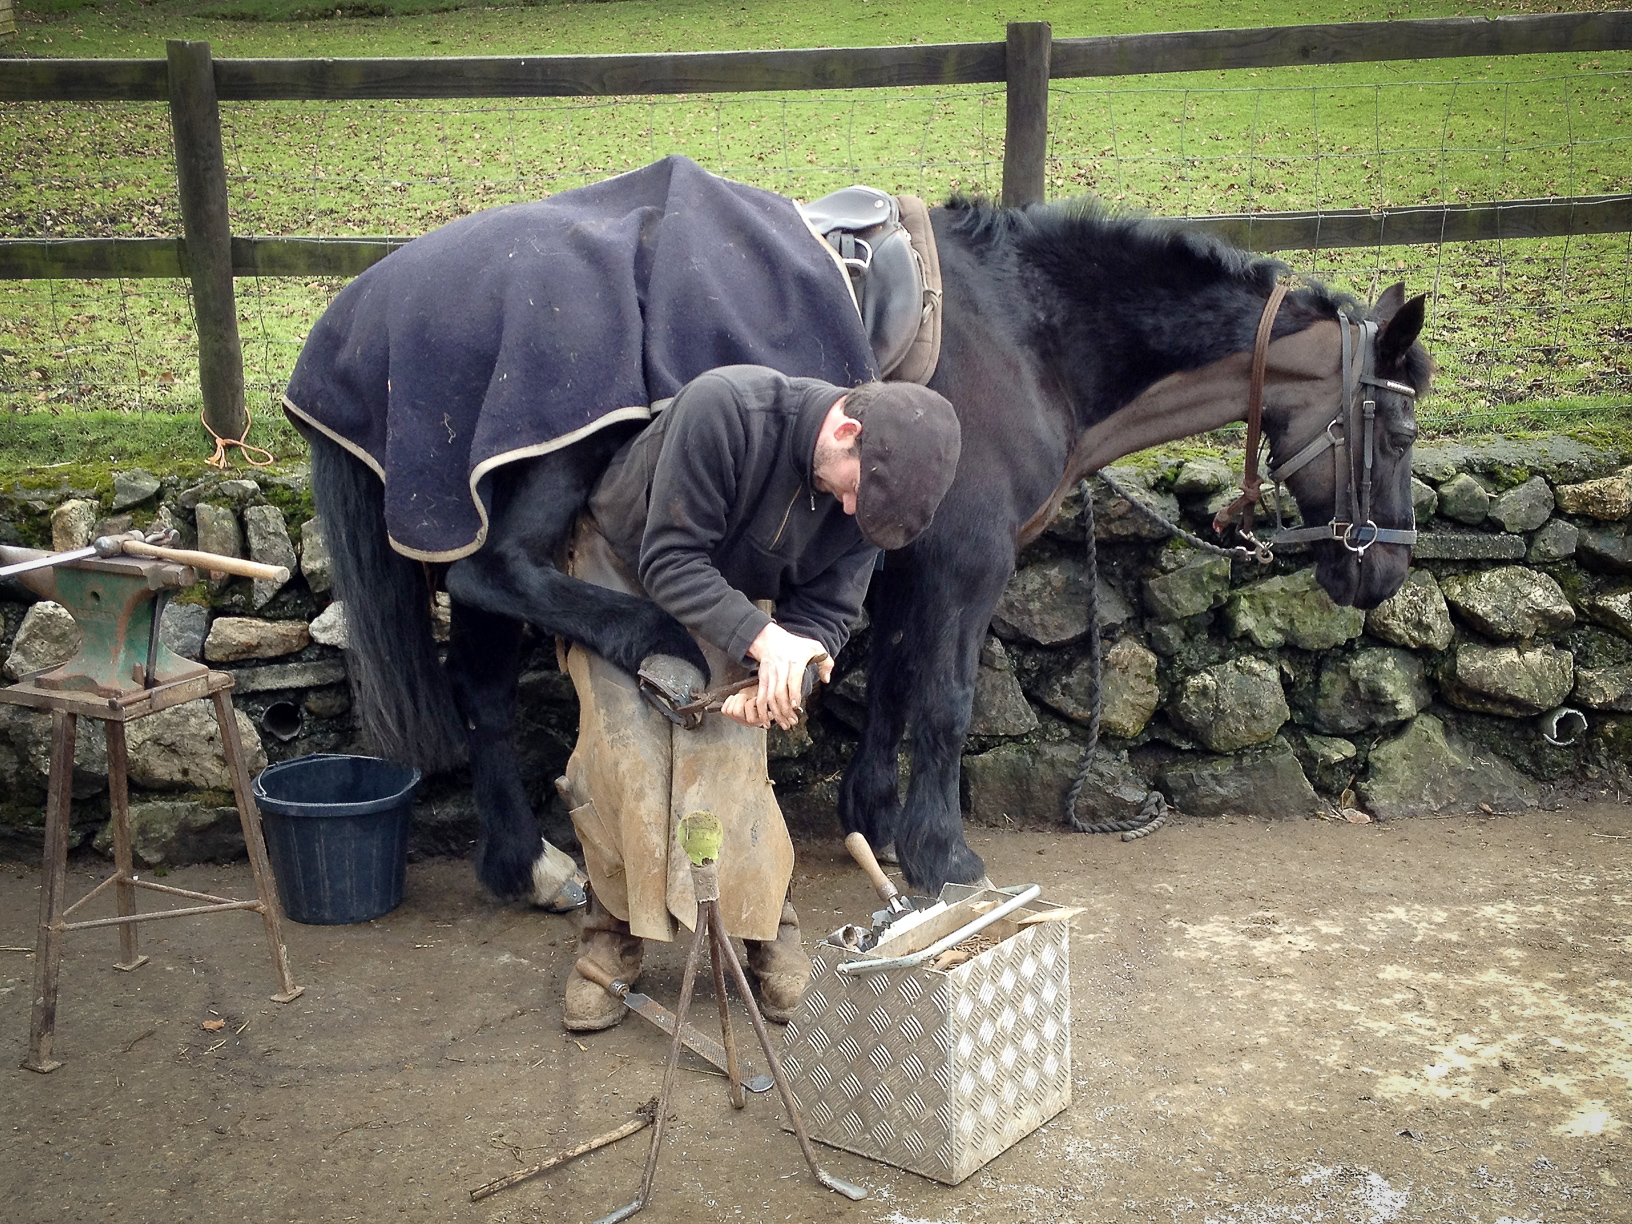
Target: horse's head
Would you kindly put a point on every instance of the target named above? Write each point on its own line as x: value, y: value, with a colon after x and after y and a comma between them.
x: 1342, y: 443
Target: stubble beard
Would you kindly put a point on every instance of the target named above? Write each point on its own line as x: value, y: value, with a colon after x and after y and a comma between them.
x: 829, y: 454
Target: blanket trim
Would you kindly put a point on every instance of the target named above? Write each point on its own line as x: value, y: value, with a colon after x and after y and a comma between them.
x: 637, y: 412
x: 838, y: 261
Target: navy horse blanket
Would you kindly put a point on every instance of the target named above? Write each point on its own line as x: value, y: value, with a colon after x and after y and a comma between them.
x: 519, y: 330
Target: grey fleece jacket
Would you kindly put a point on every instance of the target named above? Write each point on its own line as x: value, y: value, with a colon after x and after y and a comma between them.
x: 713, y: 505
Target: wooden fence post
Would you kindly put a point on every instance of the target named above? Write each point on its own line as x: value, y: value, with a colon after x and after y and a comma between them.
x: 1025, y: 141
x: 201, y: 174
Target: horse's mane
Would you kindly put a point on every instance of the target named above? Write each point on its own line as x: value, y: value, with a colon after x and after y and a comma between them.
x: 1063, y: 231
x: 1166, y: 295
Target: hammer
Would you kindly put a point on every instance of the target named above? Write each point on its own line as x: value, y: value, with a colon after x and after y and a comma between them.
x: 134, y: 545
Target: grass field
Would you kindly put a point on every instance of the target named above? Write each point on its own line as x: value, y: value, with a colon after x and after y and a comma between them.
x: 1528, y: 334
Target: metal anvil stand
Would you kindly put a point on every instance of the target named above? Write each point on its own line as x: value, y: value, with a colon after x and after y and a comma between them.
x: 121, y: 673
x: 700, y: 835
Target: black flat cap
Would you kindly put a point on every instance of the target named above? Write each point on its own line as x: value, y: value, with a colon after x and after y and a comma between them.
x: 909, y: 446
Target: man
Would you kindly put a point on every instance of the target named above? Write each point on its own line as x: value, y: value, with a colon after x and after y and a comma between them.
x: 751, y: 486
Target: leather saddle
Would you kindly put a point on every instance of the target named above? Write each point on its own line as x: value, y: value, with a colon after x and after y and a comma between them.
x: 888, y: 250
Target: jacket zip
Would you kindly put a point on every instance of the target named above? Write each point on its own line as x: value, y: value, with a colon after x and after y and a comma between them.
x: 787, y: 514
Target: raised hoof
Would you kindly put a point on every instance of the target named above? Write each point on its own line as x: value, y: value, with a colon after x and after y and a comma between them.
x: 674, y: 676
x: 669, y: 684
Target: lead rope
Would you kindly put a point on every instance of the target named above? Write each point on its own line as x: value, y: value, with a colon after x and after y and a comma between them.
x: 219, y: 458
x: 1154, y: 811
x: 1258, y: 552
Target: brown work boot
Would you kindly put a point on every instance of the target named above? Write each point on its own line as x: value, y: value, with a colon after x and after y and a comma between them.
x: 606, y: 941
x: 782, y: 968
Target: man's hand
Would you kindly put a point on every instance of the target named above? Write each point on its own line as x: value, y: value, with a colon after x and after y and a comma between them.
x: 744, y: 708
x: 782, y: 658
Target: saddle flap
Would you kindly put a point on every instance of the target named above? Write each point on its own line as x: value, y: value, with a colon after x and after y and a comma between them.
x: 892, y: 299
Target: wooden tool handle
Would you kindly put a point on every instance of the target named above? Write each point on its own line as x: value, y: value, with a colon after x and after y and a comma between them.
x: 596, y: 974
x: 856, y: 843
x: 642, y: 1119
x: 207, y: 561
x: 715, y: 698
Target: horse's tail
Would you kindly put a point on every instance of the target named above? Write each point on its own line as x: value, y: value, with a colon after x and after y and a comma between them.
x: 401, y: 693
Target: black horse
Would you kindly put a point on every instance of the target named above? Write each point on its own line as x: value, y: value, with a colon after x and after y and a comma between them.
x: 1070, y: 339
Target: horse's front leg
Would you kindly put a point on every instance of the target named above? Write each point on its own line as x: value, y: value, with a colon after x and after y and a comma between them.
x: 483, y: 661
x: 951, y: 608
x: 870, y: 794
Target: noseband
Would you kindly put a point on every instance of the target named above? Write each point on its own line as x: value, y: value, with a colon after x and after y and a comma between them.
x: 1356, y: 416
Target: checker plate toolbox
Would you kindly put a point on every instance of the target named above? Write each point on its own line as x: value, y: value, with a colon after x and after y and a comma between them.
x: 937, y: 1071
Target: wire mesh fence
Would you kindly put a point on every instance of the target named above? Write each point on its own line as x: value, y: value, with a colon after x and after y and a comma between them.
x: 1515, y: 326
x: 1522, y: 329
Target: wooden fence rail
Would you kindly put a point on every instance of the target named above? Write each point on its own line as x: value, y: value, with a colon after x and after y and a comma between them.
x: 257, y: 255
x: 265, y: 80
x: 193, y: 84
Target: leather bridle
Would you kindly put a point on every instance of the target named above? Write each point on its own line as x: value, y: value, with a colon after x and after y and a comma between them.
x: 1356, y: 416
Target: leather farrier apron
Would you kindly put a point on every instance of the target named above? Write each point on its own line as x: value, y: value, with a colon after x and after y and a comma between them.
x: 634, y: 774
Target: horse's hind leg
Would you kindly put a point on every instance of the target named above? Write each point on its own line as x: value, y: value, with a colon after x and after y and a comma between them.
x: 483, y: 662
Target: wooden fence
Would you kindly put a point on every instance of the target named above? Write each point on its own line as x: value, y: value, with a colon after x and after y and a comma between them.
x: 193, y: 83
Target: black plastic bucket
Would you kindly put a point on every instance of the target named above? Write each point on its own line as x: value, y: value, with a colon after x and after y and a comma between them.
x: 337, y: 831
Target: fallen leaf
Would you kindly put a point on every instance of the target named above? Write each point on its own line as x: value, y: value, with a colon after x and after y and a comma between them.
x: 214, y: 1026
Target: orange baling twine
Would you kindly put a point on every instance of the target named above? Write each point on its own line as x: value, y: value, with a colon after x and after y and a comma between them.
x: 219, y: 459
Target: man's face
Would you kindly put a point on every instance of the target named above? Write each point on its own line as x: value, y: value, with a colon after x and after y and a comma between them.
x: 838, y: 471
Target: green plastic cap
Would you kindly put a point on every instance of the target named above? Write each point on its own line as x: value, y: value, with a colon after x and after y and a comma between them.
x: 700, y: 836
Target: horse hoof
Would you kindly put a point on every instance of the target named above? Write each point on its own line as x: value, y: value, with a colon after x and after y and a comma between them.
x: 669, y: 684
x: 570, y: 896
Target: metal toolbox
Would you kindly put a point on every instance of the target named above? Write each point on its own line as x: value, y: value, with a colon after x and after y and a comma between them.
x: 937, y: 1071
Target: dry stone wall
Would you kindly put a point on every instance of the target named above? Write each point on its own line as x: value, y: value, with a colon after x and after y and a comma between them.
x: 1501, y: 669
x: 291, y: 695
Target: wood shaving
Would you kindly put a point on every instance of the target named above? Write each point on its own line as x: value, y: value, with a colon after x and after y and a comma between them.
x: 965, y: 950
x: 1062, y: 914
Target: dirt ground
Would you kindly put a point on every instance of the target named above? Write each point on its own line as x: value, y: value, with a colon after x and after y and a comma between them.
x: 1273, y: 1023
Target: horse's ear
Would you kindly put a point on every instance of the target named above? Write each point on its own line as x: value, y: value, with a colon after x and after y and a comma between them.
x: 1401, y: 330
x: 1389, y: 303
